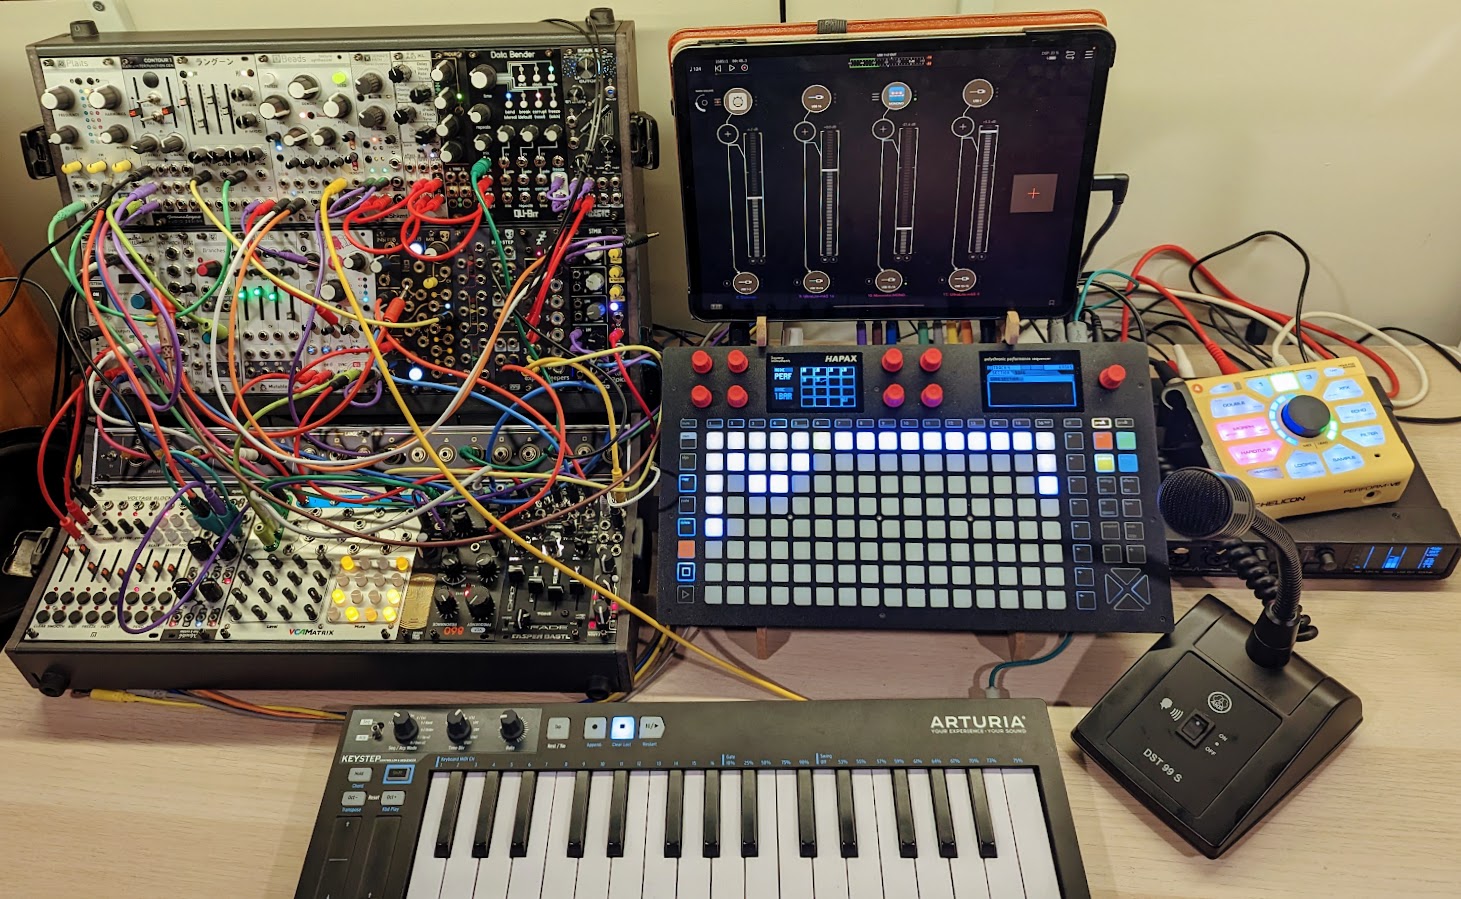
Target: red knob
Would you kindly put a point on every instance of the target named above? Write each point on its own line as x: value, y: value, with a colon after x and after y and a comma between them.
x: 893, y: 396
x: 701, y: 362
x: 933, y: 395
x: 736, y: 396
x: 1112, y: 376
x: 931, y: 360
x: 700, y: 396
x: 893, y: 360
x: 737, y: 361
x: 209, y: 269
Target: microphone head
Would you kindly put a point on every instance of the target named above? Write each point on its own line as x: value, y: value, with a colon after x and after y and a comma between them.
x: 1205, y: 505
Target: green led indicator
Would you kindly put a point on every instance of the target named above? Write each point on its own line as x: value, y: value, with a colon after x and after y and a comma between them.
x: 258, y: 292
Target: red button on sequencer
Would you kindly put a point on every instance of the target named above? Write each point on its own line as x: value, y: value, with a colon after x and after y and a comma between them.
x: 736, y: 396
x: 1112, y: 376
x: 893, y: 396
x: 893, y: 360
x: 737, y: 361
x: 932, y: 396
x: 700, y: 396
x: 701, y: 362
x: 931, y: 360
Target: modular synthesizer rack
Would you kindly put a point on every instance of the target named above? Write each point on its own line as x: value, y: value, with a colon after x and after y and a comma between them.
x: 341, y: 421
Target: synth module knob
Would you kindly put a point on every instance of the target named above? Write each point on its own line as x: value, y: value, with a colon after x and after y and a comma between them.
x: 369, y: 83
x: 480, y: 114
x: 737, y: 396
x: 304, y: 87
x: 64, y: 136
x: 116, y: 134
x: 484, y: 77
x: 445, y: 72
x: 893, y: 360
x: 405, y: 727
x: 511, y: 726
x: 145, y: 144
x: 1112, y: 376
x: 702, y: 362
x: 458, y: 727
x: 893, y: 396
x: 274, y: 107
x: 737, y: 362
x: 399, y: 72
x: 105, y: 97
x: 337, y: 107
x: 931, y: 360
x: 173, y: 143
x: 372, y: 117
x: 58, y: 98
x: 701, y: 397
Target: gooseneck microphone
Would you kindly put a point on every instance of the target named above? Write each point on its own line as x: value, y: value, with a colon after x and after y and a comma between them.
x: 1204, y: 505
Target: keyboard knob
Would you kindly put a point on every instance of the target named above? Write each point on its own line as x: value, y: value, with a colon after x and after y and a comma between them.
x: 1306, y: 416
x: 931, y: 360
x: 458, y: 728
x: 893, y: 360
x: 737, y: 361
x: 893, y: 396
x: 1112, y: 376
x: 511, y: 726
x: 932, y: 396
x: 404, y: 727
x: 700, y: 396
x: 737, y: 396
x: 701, y: 362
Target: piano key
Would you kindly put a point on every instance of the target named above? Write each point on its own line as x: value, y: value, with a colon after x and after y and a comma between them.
x: 427, y: 871
x: 1032, y: 838
x: 674, y: 814
x: 618, y: 808
x: 805, y: 815
x: 450, y: 808
x: 983, y: 825
x: 761, y: 868
x: 626, y: 873
x: 846, y: 830
x: 593, y: 868
x: 1005, y: 877
x: 522, y: 819
x: 865, y: 869
x: 560, y: 871
x: 829, y: 871
x: 943, y: 822
x: 903, y: 815
x: 728, y: 869
x: 794, y: 862
x: 749, y: 809
x: 577, y: 815
x: 970, y: 881
x: 694, y: 872
x: 380, y: 852
x: 495, y: 865
x: 934, y: 878
x: 899, y: 877
x: 461, y: 865
x: 659, y: 869
x: 710, y: 821
x: 525, y: 880
x: 486, y: 812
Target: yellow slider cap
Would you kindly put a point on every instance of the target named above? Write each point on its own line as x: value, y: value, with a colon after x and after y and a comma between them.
x: 99, y: 166
x: 71, y: 168
x: 122, y: 165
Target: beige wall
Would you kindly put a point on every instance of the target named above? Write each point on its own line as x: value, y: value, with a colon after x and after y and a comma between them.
x: 1338, y: 122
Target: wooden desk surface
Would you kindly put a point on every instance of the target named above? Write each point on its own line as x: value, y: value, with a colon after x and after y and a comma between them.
x: 101, y: 799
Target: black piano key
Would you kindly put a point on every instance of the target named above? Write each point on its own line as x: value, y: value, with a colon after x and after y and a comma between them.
x: 618, y: 814
x: 943, y: 820
x: 846, y: 825
x: 903, y: 814
x: 749, y: 849
x: 482, y: 837
x: 983, y: 823
x: 710, y: 825
x: 674, y: 813
x: 380, y: 851
x: 449, y: 809
x: 523, y: 820
x: 578, y: 814
x: 806, y: 821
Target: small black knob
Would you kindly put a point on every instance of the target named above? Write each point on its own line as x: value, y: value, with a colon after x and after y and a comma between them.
x: 211, y: 591
x: 405, y: 727
x: 480, y: 605
x: 458, y: 728
x: 1306, y: 416
x: 446, y: 605
x: 511, y: 726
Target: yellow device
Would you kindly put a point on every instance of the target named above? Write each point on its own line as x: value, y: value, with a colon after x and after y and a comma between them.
x: 1304, y: 438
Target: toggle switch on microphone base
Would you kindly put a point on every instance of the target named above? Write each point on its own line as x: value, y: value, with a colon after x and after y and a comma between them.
x: 1209, y: 740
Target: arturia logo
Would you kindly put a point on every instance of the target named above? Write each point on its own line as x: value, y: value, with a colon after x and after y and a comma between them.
x: 845, y: 357
x: 974, y: 723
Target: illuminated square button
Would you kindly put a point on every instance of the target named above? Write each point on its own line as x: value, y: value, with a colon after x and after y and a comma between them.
x: 999, y: 442
x: 756, y: 440
x: 1022, y: 441
x: 978, y: 441
x: 1045, y: 440
x: 887, y: 441
x: 621, y: 727
x: 1102, y: 440
x: 735, y: 440
x: 780, y: 440
x: 685, y: 549
x: 1127, y: 462
x: 1105, y: 462
x: 1126, y: 440
x: 595, y: 728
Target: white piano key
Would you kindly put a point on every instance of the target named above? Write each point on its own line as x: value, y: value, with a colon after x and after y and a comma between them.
x: 865, y: 871
x: 694, y: 869
x: 659, y: 872
x: 526, y: 878
x: 761, y: 869
x: 1032, y: 837
x: 560, y: 872
x: 829, y: 868
x: 427, y: 870
x: 935, y: 881
x: 461, y: 868
x: 593, y: 868
x: 1005, y: 878
x: 493, y: 871
x: 626, y: 875
x: 795, y: 871
x: 899, y: 876
x: 970, y: 881
x: 728, y: 872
